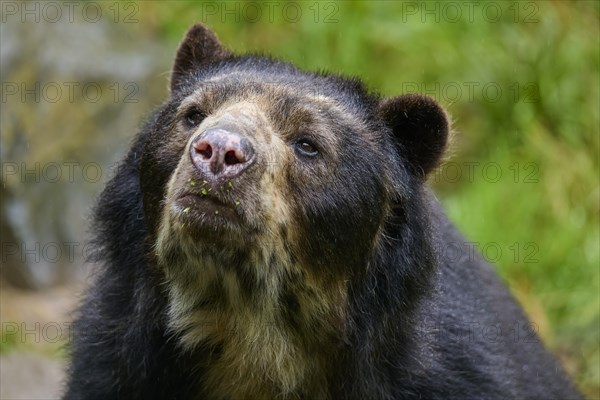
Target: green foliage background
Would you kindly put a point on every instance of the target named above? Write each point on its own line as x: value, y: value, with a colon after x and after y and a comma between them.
x: 542, y: 131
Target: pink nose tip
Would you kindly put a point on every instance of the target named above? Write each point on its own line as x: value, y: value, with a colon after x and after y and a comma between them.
x: 220, y: 153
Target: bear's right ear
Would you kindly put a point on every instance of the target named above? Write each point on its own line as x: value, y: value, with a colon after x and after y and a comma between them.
x: 420, y: 127
x: 199, y: 48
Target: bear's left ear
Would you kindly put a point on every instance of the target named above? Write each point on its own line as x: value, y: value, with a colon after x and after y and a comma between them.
x: 420, y: 127
x: 199, y: 48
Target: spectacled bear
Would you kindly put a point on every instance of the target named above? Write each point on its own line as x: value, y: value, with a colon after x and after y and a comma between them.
x: 270, y: 235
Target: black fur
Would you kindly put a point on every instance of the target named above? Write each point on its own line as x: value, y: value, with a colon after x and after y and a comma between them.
x: 418, y: 325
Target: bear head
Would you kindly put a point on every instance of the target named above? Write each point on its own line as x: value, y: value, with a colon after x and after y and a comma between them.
x: 273, y: 196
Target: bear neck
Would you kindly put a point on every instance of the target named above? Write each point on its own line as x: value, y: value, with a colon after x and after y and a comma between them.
x: 272, y: 327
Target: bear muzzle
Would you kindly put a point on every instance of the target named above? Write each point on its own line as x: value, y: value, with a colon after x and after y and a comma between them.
x: 220, y: 154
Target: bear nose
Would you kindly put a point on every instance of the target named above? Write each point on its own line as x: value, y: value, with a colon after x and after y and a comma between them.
x: 220, y: 153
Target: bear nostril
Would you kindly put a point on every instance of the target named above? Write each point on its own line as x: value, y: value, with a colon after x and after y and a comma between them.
x: 204, y: 149
x: 231, y: 158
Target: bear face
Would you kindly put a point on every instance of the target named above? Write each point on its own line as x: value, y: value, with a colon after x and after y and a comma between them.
x: 279, y: 112
x: 296, y: 145
x: 279, y: 188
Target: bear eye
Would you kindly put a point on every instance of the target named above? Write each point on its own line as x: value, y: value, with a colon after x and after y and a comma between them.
x: 193, y: 118
x: 306, y: 148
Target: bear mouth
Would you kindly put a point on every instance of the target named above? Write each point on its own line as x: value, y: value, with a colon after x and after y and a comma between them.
x: 207, y: 208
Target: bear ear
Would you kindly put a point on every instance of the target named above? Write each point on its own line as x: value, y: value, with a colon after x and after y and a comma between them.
x: 420, y: 127
x: 199, y: 48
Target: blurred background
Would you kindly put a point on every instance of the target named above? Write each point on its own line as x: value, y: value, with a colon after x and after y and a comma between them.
x: 520, y: 79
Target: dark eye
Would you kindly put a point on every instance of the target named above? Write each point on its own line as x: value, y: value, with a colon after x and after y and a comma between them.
x: 306, y: 148
x: 193, y: 118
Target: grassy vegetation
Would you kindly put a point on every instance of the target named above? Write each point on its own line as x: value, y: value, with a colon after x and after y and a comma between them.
x: 523, y: 89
